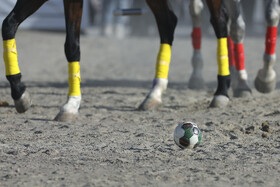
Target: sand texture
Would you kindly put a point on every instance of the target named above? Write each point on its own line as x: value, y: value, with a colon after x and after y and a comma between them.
x: 113, y: 144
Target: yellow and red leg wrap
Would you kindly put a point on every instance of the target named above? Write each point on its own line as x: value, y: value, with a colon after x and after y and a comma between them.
x: 74, y: 78
x: 163, y: 61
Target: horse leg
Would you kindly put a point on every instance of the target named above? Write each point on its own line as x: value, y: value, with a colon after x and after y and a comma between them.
x: 73, y: 15
x: 166, y: 22
x: 232, y: 63
x: 219, y: 21
x: 265, y: 81
x: 237, y: 33
x: 21, y: 11
x: 196, y: 80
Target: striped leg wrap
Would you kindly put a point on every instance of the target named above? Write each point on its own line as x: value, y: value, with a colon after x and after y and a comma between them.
x: 74, y: 78
x: 223, y: 67
x: 163, y: 61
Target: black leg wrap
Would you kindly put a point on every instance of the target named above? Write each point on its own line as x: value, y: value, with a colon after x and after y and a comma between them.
x: 223, y: 85
x: 17, y: 87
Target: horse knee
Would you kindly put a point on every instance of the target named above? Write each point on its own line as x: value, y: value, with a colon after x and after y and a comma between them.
x: 196, y: 7
x: 220, y: 26
x: 17, y: 87
x: 272, y: 13
x: 237, y: 30
x: 9, y: 27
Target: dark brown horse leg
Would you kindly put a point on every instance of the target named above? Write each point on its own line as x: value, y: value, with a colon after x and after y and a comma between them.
x: 166, y: 22
x: 73, y: 15
x: 21, y: 11
x: 219, y: 20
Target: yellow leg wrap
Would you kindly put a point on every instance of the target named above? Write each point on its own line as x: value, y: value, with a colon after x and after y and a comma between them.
x: 74, y: 79
x: 10, y: 57
x: 163, y: 61
x: 222, y: 57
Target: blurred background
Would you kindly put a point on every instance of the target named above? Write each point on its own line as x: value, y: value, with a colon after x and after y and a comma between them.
x: 99, y: 20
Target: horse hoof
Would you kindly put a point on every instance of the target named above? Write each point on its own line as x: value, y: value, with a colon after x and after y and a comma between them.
x: 242, y: 90
x: 219, y: 101
x: 242, y: 93
x: 196, y: 83
x: 265, y: 86
x: 150, y: 104
x: 23, y: 104
x: 66, y: 117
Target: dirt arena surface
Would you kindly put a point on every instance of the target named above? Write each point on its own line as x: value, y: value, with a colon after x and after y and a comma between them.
x: 113, y: 144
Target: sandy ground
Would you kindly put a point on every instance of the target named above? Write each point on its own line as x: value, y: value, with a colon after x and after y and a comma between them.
x: 113, y: 144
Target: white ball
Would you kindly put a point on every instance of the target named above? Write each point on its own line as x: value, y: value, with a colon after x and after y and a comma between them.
x: 187, y: 135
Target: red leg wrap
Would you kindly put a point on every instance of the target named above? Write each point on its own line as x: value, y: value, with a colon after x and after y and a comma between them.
x: 196, y: 38
x: 270, y: 40
x: 231, y: 52
x: 239, y: 56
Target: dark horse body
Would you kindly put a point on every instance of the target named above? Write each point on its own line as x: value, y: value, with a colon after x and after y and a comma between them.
x: 166, y: 21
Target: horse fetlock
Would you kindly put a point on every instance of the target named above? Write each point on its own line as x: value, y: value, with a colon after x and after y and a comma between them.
x: 153, y: 99
x: 196, y: 81
x: 72, y: 105
x: 17, y: 87
x: 242, y: 75
x: 23, y: 103
x: 223, y: 85
x: 242, y: 88
x: 221, y: 98
x: 197, y: 60
x: 69, y: 111
x: 159, y: 86
x: 269, y: 61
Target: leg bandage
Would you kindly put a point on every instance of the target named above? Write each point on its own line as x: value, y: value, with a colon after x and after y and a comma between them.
x: 74, y: 79
x: 231, y: 52
x: 163, y: 61
x: 270, y: 40
x: 196, y: 38
x: 239, y: 56
x: 10, y: 57
x: 222, y: 57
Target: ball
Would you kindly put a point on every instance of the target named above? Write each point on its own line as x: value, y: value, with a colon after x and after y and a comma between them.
x: 187, y: 135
